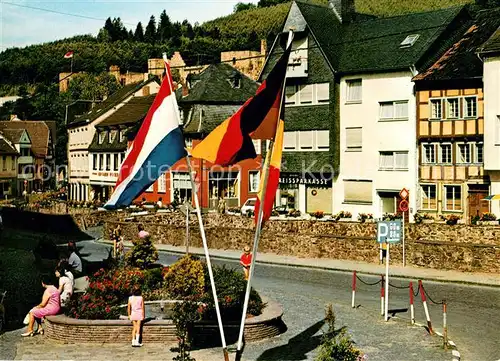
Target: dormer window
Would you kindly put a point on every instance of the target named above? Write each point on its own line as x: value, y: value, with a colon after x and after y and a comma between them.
x: 122, y: 136
x: 235, y: 80
x: 409, y: 41
x: 102, y: 136
x: 112, y: 135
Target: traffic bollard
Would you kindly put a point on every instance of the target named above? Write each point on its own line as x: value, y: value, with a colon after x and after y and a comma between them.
x: 353, y: 288
x: 382, y: 295
x: 412, y: 309
x: 426, y: 309
x: 445, y: 327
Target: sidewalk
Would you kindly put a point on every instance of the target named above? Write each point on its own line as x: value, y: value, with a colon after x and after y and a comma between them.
x: 430, y: 274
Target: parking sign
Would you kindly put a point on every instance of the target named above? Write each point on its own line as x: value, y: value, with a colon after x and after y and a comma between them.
x: 389, y: 231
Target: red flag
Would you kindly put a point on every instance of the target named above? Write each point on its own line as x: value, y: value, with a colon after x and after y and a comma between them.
x: 68, y: 55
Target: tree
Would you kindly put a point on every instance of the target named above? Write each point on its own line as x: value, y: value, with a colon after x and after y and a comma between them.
x: 243, y: 6
x: 164, y: 28
x: 187, y: 30
x: 176, y: 35
x: 150, y: 33
x: 139, y: 33
x: 267, y: 3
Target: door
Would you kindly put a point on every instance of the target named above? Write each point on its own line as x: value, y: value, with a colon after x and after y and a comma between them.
x: 477, y: 204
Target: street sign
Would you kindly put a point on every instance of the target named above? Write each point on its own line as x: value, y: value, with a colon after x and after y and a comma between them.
x: 404, y: 206
x: 389, y: 232
x: 404, y: 193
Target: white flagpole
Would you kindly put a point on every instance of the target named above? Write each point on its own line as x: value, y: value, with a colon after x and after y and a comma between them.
x: 204, y: 238
x: 258, y: 226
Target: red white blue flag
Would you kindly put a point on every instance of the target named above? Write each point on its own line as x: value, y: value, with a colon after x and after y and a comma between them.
x: 158, y: 145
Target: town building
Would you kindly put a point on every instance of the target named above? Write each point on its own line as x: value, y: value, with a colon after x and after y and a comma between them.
x: 451, y: 126
x: 8, y: 167
x: 490, y: 55
x: 82, y: 130
x: 350, y: 115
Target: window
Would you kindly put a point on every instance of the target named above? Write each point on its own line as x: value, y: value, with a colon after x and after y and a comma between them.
x: 257, y: 145
x: 470, y: 107
x: 181, y: 186
x: 445, y: 154
x: 453, y: 108
x: 409, y: 41
x: 94, y: 161
x: 464, y: 152
x: 290, y: 94
x: 453, y: 198
x: 436, y: 109
x: 306, y: 94
x: 101, y: 161
x: 429, y: 197
x: 354, y: 139
x: 478, y: 154
x: 122, y: 136
x: 253, y: 181
x: 306, y: 140
x: 358, y: 191
x: 290, y: 141
x: 354, y: 94
x: 322, y: 139
x: 162, y: 183
x: 323, y: 93
x: 428, y: 153
x: 112, y: 135
x: 150, y: 188
x: 394, y: 110
x: 4, y: 162
x: 116, y: 162
x: 102, y: 136
x: 108, y: 161
x: 393, y: 160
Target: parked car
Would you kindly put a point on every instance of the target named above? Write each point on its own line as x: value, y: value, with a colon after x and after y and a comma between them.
x: 248, y: 206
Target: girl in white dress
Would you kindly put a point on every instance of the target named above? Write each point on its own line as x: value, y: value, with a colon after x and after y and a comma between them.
x: 66, y: 283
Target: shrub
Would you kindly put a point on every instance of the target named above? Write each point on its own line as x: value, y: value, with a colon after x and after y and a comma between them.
x: 294, y: 213
x: 419, y: 217
x: 392, y: 216
x: 475, y: 219
x: 362, y: 217
x: 342, y: 214
x: 142, y: 255
x: 450, y: 219
x: 318, y: 214
x: 185, y: 278
x: 234, y: 210
x: 231, y: 287
x: 153, y: 278
x: 488, y: 217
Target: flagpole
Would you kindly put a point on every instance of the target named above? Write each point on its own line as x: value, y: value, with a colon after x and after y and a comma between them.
x: 71, y: 70
x: 258, y: 226
x: 203, y: 236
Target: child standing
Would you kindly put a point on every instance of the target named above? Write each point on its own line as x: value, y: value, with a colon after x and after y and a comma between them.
x: 246, y: 260
x: 136, y: 315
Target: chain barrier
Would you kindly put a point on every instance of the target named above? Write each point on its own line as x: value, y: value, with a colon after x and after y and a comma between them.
x: 416, y: 293
x: 430, y: 299
x: 367, y: 283
x: 399, y: 287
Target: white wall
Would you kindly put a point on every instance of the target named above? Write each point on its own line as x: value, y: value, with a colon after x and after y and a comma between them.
x: 377, y: 136
x: 491, y: 81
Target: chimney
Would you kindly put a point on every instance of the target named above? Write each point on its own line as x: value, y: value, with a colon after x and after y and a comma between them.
x: 344, y: 9
x: 263, y: 47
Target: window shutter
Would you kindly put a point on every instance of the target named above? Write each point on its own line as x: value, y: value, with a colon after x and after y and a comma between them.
x: 306, y: 94
x: 289, y: 140
x: 323, y: 92
x: 306, y: 139
x: 354, y: 137
x: 358, y: 191
x: 322, y: 139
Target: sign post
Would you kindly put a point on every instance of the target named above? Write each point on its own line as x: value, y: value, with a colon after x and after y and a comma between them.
x: 388, y: 232
x: 404, y: 206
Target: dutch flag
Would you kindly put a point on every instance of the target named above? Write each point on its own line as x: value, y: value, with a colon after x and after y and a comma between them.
x: 158, y: 145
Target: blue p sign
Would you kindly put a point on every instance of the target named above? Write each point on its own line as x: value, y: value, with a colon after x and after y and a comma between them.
x: 389, y: 232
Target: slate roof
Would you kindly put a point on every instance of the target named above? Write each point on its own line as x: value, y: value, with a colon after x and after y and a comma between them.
x: 6, y: 147
x: 460, y: 60
x: 106, y: 146
x: 373, y: 45
x: 492, y: 45
x: 38, y: 132
x: 213, y: 86
x: 131, y: 112
x: 14, y: 135
x: 110, y: 102
x: 211, y: 116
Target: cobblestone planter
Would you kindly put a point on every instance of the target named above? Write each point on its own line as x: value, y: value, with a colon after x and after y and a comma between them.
x: 66, y: 329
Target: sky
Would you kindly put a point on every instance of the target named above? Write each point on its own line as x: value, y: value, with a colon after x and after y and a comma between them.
x: 21, y: 24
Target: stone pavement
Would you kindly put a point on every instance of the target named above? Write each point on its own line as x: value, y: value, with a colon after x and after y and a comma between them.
x: 431, y: 274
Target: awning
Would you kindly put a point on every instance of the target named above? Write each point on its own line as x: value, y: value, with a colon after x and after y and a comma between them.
x: 492, y: 197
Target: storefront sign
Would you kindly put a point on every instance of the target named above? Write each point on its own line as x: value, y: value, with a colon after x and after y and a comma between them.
x: 306, y: 178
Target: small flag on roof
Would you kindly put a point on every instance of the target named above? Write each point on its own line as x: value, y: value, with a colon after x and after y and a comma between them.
x: 68, y: 55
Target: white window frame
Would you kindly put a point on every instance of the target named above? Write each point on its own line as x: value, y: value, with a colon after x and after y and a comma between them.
x: 393, y: 167
x: 95, y: 161
x: 253, y: 188
x: 108, y: 162
x: 424, y: 156
x: 422, y: 198
x: 102, y: 136
x: 440, y: 153
x: 302, y: 135
x: 101, y: 161
x: 122, y: 135
x: 287, y: 147
x: 317, y: 135
x: 470, y: 146
x: 349, y: 87
x: 431, y: 110
x: 296, y: 100
x: 448, y: 102
x: 352, y: 201
x: 465, y: 111
x: 354, y: 148
x: 116, y: 162
x: 476, y: 152
x: 393, y: 103
x: 162, y: 183
x: 445, y: 198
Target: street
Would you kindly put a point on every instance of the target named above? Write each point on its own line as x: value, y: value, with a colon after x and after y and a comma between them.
x: 472, y: 311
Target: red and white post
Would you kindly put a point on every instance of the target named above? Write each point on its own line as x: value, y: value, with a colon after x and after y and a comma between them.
x: 382, y: 295
x: 445, y: 327
x: 353, y: 289
x: 412, y: 309
x: 426, y: 309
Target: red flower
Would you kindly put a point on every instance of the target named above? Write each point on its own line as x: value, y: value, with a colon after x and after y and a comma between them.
x: 108, y: 310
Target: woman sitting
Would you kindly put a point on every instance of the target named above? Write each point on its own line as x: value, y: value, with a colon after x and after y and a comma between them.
x: 66, y: 282
x: 49, y: 306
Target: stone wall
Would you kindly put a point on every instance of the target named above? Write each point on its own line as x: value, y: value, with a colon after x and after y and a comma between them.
x: 459, y: 247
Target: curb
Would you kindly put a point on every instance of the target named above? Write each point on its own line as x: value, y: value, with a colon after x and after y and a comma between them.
x: 322, y: 268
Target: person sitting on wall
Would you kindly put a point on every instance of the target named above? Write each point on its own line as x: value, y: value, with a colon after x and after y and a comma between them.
x: 74, y: 260
x: 159, y: 203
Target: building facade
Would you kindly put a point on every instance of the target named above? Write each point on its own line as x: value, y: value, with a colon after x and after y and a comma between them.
x: 8, y: 168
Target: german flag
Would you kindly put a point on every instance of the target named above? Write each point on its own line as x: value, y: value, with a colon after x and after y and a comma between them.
x: 231, y: 141
x: 274, y: 176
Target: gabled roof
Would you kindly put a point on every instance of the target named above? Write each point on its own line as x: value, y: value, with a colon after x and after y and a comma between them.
x: 373, y: 45
x: 492, y: 45
x: 204, y: 118
x: 14, y: 135
x: 214, y: 86
x: 6, y: 147
x: 460, y: 60
x: 37, y: 130
x: 116, y: 145
x: 132, y: 111
x: 110, y: 102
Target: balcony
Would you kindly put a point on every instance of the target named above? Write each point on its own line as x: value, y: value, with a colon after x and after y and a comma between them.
x: 27, y: 176
x: 26, y: 159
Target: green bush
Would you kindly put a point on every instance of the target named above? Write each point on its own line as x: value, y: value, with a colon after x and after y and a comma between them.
x: 142, y: 255
x: 153, y: 278
x: 185, y: 278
